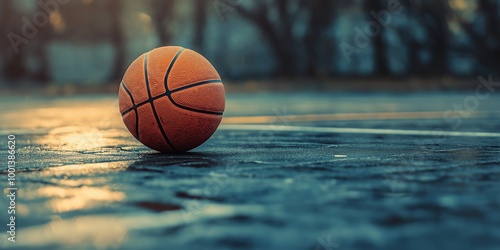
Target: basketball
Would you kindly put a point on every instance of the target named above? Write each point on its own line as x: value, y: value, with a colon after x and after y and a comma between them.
x: 171, y: 99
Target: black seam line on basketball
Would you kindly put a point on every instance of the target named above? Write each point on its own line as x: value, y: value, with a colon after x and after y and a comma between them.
x: 134, y: 108
x: 144, y: 103
x: 192, y: 86
x: 169, y: 93
x: 158, y: 121
x: 131, y: 98
x: 165, y: 80
x: 195, y: 85
x: 128, y: 92
x: 146, y: 75
x: 193, y: 109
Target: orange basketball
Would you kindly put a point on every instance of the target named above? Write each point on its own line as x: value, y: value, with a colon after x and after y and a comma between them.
x: 171, y: 99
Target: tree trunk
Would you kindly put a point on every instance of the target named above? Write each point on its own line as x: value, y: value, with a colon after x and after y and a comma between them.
x: 414, y: 64
x: 379, y: 45
x: 320, y: 20
x: 14, y: 67
x: 200, y: 17
x: 117, y: 39
x: 439, y: 34
x: 163, y: 11
x: 280, y: 38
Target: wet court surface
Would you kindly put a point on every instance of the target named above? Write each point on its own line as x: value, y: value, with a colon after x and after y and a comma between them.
x: 288, y: 171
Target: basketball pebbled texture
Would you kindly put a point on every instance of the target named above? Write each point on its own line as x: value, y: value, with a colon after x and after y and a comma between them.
x: 171, y: 99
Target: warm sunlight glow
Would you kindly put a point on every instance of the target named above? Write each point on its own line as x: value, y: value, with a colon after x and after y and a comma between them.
x: 77, y: 138
x: 57, y: 21
x: 464, y: 8
x: 145, y: 20
x: 71, y: 199
x: 83, y: 170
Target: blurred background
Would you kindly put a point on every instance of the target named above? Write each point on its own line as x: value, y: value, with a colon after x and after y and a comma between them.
x: 346, y: 44
x: 349, y: 124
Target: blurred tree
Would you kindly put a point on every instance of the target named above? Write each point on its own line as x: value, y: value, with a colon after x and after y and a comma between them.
x: 40, y: 50
x: 87, y: 22
x: 300, y: 33
x: 379, y: 44
x: 14, y: 65
x: 278, y: 21
x: 277, y: 32
x: 200, y: 19
x: 5, y: 17
x: 486, y: 39
x: 163, y: 13
x: 6, y: 11
x: 435, y: 17
x: 95, y: 23
x: 414, y: 64
x: 317, y: 37
x: 114, y: 9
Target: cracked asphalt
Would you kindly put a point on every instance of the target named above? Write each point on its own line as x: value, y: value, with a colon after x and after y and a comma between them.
x: 284, y: 171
